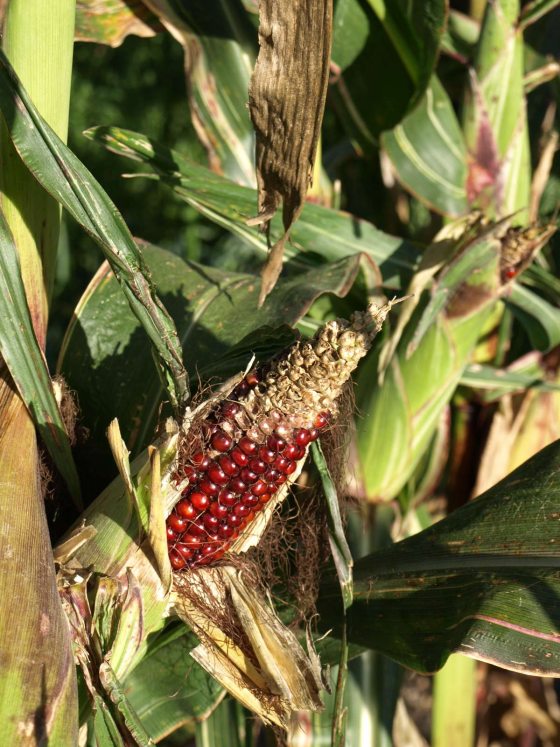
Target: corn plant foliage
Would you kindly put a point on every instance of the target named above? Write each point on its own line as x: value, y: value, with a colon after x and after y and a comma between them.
x: 63, y: 176
x: 168, y: 689
x: 320, y: 235
x: 485, y: 581
x: 397, y: 43
x: 106, y: 357
x: 220, y: 45
x: 429, y: 153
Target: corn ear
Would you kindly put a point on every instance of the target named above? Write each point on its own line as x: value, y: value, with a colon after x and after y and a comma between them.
x: 403, y: 391
x: 495, y: 120
x: 119, y: 551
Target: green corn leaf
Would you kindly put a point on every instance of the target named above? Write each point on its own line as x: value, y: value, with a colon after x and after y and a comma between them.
x: 168, y: 689
x: 319, y: 235
x: 489, y: 574
x: 105, y: 730
x: 429, y: 153
x: 224, y: 726
x: 27, y: 365
x: 397, y: 43
x: 220, y: 50
x: 213, y: 311
x: 540, y: 318
x: 535, y: 10
x: 68, y: 181
x: 342, y: 556
x: 498, y: 381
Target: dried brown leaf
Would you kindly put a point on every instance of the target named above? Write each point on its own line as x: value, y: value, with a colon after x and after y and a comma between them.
x: 286, y: 102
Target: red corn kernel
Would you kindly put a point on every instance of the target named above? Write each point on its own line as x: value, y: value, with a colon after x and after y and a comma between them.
x: 281, y: 479
x: 321, y: 420
x: 200, y: 501
x: 190, y: 473
x: 171, y: 535
x: 239, y: 457
x: 217, y: 474
x: 177, y: 561
x: 193, y: 542
x: 237, y: 485
x: 247, y: 446
x: 185, y: 509
x: 248, y: 476
x: 300, y: 453
x: 259, y: 487
x: 264, y: 498
x: 302, y: 437
x: 285, y: 465
x: 313, y: 434
x: 258, y: 465
x: 241, y: 389
x: 221, y: 441
x: 228, y: 465
x: 227, y: 498
x: 234, y: 520
x: 291, y: 451
x: 184, y: 550
x: 267, y: 455
x: 280, y: 463
x: 275, y: 443
x: 208, y: 487
x: 211, y: 523
x: 252, y: 379
x: 197, y: 529
x: 177, y: 523
x: 230, y: 409
x: 240, y: 511
x: 200, y: 460
x: 218, y: 510
x: 248, y: 499
x: 225, y: 531
x: 271, y: 475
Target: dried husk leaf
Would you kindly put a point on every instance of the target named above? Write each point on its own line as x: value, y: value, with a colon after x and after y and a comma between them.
x: 275, y: 677
x: 286, y: 101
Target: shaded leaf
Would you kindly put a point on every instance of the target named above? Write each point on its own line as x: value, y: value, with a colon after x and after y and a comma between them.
x: 489, y: 575
x: 62, y: 175
x: 320, y: 234
x: 540, y: 318
x: 286, y: 101
x: 220, y: 48
x: 399, y: 53
x: 111, y: 21
x: 429, y: 154
x: 27, y: 365
x: 168, y: 689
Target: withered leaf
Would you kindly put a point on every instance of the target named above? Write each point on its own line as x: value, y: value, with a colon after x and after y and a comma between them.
x: 286, y: 102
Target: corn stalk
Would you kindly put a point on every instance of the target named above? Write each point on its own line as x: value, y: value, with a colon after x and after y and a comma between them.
x: 39, y: 695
